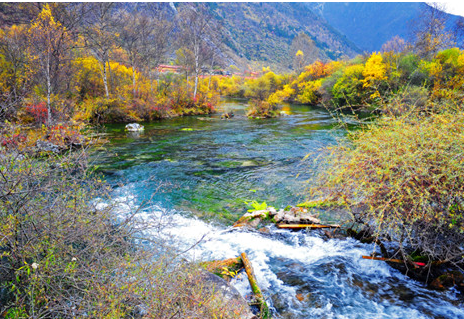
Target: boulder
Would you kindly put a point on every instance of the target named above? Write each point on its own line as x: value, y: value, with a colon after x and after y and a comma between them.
x: 448, y: 280
x: 252, y: 219
x: 134, y: 127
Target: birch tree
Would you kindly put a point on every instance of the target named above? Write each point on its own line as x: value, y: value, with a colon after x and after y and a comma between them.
x: 47, y: 41
x: 144, y: 37
x: 197, y: 37
x: 100, y: 37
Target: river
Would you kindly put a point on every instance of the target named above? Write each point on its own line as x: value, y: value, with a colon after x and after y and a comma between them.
x: 200, y: 171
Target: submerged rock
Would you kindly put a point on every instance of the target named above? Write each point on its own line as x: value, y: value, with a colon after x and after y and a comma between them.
x: 134, y: 127
x: 227, y: 115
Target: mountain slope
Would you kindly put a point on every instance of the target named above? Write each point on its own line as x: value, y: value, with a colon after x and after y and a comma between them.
x: 370, y: 24
x: 264, y: 31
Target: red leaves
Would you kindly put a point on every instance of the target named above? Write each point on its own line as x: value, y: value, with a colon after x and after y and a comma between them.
x: 38, y: 111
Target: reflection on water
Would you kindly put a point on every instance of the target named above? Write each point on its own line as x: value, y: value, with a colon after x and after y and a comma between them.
x: 209, y: 167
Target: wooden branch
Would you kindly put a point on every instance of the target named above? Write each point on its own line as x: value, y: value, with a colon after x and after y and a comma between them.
x: 264, y: 310
x: 398, y: 261
x: 302, y: 226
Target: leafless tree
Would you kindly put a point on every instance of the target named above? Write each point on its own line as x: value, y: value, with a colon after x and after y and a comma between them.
x: 99, y: 36
x: 16, y: 76
x: 428, y: 30
x: 144, y: 36
x: 310, y: 53
x: 198, y: 35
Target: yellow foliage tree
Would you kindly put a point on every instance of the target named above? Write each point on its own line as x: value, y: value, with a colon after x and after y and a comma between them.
x: 374, y: 70
x: 374, y: 73
x: 47, y: 40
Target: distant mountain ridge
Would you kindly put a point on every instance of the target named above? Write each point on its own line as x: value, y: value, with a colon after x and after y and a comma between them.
x: 370, y: 24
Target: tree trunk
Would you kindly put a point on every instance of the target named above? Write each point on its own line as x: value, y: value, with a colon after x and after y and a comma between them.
x: 197, y: 71
x: 196, y: 86
x: 133, y: 81
x: 105, y: 80
x: 111, y: 81
x: 211, y: 73
x: 49, y: 92
x: 264, y: 310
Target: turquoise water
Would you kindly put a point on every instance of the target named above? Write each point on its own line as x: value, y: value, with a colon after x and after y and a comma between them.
x: 210, y: 166
x: 199, y: 171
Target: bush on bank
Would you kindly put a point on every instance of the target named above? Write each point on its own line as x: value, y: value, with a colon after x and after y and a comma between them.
x: 63, y: 256
x: 404, y: 177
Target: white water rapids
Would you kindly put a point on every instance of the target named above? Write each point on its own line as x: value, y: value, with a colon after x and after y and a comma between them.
x: 304, y: 275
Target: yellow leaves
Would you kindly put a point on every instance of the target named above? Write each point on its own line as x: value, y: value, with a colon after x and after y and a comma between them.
x: 309, y: 92
x: 299, y: 53
x: 374, y: 70
x: 45, y: 22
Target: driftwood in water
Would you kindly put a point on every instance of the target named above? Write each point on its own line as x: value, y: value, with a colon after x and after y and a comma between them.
x: 398, y: 261
x: 302, y: 226
x: 264, y: 310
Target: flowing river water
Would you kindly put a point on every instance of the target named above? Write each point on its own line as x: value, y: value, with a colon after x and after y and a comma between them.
x: 199, y: 171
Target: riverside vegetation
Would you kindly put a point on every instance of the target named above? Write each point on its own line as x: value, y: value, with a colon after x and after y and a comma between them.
x: 63, y: 255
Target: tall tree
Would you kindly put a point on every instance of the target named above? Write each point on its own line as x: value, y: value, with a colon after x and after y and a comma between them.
x: 100, y: 37
x: 186, y: 59
x: 304, y: 52
x: 458, y: 31
x: 15, y: 71
x: 144, y: 37
x: 198, y: 36
x: 48, y: 40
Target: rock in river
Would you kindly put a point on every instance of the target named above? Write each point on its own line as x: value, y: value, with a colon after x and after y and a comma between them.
x: 134, y: 127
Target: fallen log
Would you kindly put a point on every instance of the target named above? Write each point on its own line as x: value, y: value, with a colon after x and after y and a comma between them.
x: 263, y: 308
x: 302, y: 226
x: 398, y: 261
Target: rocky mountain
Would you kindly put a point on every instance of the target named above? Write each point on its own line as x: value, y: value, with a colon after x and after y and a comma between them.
x: 264, y: 32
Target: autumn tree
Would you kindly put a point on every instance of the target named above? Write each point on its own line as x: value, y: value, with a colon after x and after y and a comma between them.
x: 374, y: 74
x: 186, y: 59
x: 15, y: 71
x: 144, y: 37
x: 48, y: 40
x: 428, y: 29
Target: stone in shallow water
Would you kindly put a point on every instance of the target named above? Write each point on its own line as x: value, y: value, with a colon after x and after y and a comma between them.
x: 249, y: 164
x: 134, y: 127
